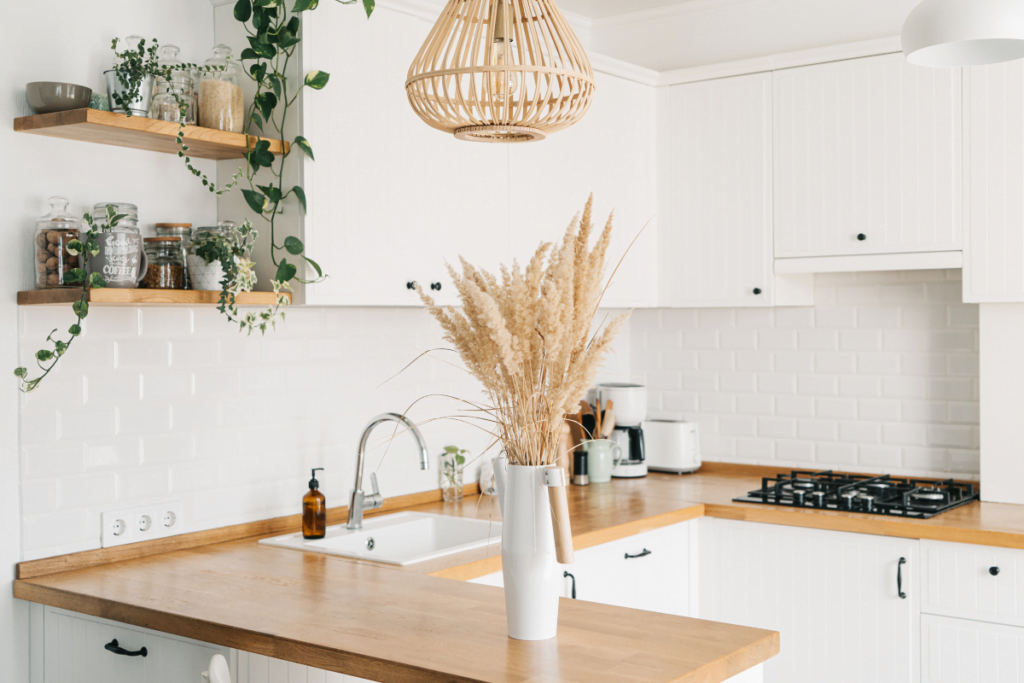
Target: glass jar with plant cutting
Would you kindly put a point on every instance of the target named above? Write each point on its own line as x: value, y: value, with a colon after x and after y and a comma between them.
x: 453, y: 464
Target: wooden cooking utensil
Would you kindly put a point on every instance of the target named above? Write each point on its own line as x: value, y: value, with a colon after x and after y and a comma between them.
x: 555, y: 480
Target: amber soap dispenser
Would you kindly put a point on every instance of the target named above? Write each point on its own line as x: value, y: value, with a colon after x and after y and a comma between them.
x: 314, y: 510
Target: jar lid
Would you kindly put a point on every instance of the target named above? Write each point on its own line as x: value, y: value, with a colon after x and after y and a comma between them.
x: 173, y: 225
x: 161, y: 239
x: 58, y: 213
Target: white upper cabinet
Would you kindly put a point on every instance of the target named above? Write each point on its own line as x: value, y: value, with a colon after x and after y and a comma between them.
x: 867, y: 158
x: 390, y: 199
x: 714, y: 193
x: 610, y: 153
x: 994, y: 161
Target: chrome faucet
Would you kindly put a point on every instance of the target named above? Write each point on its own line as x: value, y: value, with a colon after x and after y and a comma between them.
x: 359, y: 501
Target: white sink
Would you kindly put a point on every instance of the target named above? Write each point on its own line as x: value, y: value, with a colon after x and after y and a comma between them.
x: 401, y: 538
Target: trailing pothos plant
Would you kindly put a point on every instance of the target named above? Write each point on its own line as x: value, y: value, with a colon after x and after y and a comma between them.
x: 46, y: 359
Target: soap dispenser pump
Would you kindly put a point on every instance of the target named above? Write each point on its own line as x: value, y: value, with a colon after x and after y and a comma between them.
x: 314, y: 510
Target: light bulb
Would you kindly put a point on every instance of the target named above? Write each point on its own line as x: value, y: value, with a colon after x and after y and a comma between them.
x: 504, y: 84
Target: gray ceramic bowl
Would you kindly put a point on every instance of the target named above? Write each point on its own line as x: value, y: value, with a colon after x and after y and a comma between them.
x: 46, y: 96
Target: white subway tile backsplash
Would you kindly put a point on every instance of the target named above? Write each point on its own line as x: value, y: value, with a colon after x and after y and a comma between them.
x: 880, y: 374
x: 85, y: 490
x: 38, y: 496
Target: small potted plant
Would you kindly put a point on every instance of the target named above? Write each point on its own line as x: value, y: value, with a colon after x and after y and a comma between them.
x: 130, y: 82
x: 453, y: 463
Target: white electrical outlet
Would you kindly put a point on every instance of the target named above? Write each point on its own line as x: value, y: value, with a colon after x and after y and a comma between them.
x: 141, y: 523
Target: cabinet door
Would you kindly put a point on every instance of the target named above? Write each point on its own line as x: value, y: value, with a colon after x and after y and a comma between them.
x: 962, y: 651
x: 994, y: 173
x: 831, y: 595
x: 366, y: 193
x: 867, y: 147
x: 610, y: 154
x: 714, y: 238
x: 74, y: 652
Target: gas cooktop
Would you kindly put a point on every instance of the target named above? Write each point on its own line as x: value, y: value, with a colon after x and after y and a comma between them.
x: 882, y: 495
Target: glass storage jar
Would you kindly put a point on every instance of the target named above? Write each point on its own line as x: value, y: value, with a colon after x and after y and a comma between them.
x: 183, y: 231
x: 173, y: 101
x: 50, y: 258
x: 166, y: 269
x: 202, y: 275
x: 221, y: 104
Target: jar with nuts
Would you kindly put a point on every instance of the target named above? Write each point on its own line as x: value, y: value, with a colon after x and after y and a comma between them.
x: 50, y: 249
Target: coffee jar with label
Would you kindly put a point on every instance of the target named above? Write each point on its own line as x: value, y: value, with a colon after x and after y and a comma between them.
x: 51, y: 260
x: 121, y: 259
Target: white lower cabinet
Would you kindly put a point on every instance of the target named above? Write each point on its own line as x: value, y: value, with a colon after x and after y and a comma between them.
x: 833, y: 596
x: 68, y: 647
x: 648, y: 571
x: 253, y: 668
x: 964, y: 651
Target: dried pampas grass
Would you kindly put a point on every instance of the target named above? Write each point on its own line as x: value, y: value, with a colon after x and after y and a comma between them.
x: 526, y: 336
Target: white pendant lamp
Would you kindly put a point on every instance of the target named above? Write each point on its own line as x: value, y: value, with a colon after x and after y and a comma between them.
x: 501, y: 71
x: 954, y: 33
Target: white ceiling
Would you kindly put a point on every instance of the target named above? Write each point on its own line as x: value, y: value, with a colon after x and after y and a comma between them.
x: 598, y: 9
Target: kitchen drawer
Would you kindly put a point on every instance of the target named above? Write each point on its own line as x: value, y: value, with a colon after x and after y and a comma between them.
x: 963, y: 651
x: 72, y: 651
x: 959, y: 582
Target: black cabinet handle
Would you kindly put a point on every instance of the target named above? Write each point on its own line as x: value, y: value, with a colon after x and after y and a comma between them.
x: 645, y: 553
x: 899, y: 578
x: 567, y: 575
x: 436, y: 286
x: 861, y: 237
x: 112, y: 646
x: 757, y: 290
x: 410, y: 285
x: 994, y: 571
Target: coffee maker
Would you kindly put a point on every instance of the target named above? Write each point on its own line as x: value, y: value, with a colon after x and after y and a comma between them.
x: 630, y: 408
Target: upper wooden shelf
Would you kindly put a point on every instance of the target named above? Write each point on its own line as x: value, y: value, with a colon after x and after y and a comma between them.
x: 137, y: 132
x: 110, y: 296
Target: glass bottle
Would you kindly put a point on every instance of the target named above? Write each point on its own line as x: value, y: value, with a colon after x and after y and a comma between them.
x: 166, y: 268
x: 172, y: 101
x: 50, y: 258
x: 453, y: 463
x: 202, y: 275
x: 221, y: 102
x: 314, y: 510
x: 129, y: 224
x: 183, y: 231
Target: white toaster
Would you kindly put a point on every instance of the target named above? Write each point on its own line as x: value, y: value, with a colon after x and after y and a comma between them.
x: 671, y: 446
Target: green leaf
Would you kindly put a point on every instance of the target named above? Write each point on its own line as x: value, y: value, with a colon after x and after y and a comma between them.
x: 316, y: 266
x: 460, y: 460
x: 44, y: 355
x: 301, y: 195
x: 285, y: 271
x: 81, y: 308
x: 96, y: 280
x: 287, y: 39
x: 317, y: 79
x: 260, y: 44
x: 369, y: 5
x: 243, y: 10
x: 265, y: 102
x: 451, y: 449
x: 92, y: 246
x: 254, y: 199
x: 275, y: 83
x: 258, y: 71
x: 257, y: 119
x: 75, y: 330
x: 60, y: 347
x: 75, y: 247
x: 293, y: 245
x: 303, y: 5
x: 303, y: 144
x: 74, y: 276
x: 21, y: 372
x: 247, y: 54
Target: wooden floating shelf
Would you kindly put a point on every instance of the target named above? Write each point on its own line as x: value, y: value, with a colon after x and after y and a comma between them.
x: 109, y: 296
x: 137, y: 132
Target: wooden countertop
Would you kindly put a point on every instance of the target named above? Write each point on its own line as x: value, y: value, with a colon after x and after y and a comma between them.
x: 378, y: 623
x: 371, y: 620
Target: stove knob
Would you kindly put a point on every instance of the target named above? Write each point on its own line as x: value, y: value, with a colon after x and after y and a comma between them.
x: 848, y: 500
x: 798, y: 497
x: 818, y: 499
x: 994, y: 571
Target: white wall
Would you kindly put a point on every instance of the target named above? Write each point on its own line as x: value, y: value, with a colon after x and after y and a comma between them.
x: 1002, y: 403
x: 880, y: 375
x: 70, y: 40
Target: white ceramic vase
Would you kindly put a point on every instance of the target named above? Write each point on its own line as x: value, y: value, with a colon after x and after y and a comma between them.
x: 528, y: 556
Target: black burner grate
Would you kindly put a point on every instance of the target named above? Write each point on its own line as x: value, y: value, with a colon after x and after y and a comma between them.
x: 882, y: 495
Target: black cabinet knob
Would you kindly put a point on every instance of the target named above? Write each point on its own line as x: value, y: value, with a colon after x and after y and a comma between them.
x: 757, y: 290
x: 994, y: 571
x: 410, y: 285
x: 436, y: 286
x: 861, y: 237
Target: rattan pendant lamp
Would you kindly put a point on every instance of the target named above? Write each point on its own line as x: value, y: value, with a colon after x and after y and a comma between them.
x: 501, y: 71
